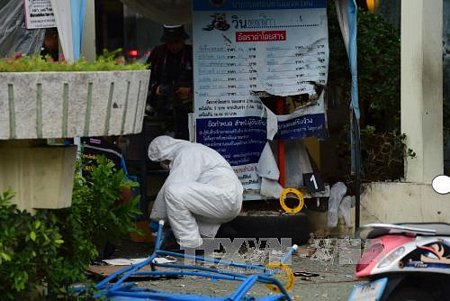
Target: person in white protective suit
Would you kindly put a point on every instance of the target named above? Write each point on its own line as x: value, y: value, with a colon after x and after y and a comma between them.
x: 201, y: 192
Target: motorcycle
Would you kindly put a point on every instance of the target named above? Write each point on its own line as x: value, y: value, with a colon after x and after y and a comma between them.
x: 408, y: 261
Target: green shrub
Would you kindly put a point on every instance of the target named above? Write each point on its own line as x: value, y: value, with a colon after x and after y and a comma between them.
x: 109, y: 61
x: 97, y: 215
x: 96, y: 212
x: 378, y: 45
x: 29, y: 245
x: 383, y: 154
x: 53, y: 248
x: 379, y: 72
x: 383, y: 147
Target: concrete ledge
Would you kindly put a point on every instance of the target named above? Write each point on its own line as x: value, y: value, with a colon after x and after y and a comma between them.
x: 405, y: 202
x: 41, y: 177
x: 37, y: 105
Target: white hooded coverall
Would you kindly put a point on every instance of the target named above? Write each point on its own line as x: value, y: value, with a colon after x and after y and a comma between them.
x: 201, y: 192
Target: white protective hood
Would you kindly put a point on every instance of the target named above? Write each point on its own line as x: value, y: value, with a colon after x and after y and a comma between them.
x: 165, y: 148
x: 191, y: 162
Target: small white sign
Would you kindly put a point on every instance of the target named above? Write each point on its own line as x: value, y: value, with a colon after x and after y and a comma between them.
x: 39, y: 14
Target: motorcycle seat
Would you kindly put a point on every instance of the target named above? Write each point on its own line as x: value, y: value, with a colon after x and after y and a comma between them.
x: 412, y: 229
x: 442, y: 229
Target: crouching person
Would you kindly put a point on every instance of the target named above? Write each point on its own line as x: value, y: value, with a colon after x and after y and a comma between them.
x: 201, y: 192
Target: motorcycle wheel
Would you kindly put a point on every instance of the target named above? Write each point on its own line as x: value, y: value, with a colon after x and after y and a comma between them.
x: 410, y: 294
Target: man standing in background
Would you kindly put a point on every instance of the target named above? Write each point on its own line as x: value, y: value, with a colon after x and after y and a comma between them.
x: 170, y: 88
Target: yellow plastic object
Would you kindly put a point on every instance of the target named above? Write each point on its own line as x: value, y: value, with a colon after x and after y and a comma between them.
x: 285, y: 276
x: 298, y: 194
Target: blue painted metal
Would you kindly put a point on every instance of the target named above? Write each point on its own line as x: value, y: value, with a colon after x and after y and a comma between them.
x: 116, y: 288
x: 78, y: 12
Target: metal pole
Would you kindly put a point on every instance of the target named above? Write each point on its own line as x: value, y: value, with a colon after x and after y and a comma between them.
x: 281, y: 163
x: 357, y: 139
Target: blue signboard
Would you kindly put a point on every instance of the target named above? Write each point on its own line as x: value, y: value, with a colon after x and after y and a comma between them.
x: 244, y: 49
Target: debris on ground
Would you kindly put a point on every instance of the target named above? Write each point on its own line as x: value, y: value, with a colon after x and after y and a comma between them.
x: 346, y: 250
x: 315, y: 280
x: 324, y: 250
x: 305, y: 252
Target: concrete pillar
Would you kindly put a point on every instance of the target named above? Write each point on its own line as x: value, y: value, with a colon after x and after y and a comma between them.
x: 88, y: 50
x: 421, y: 87
x: 40, y: 176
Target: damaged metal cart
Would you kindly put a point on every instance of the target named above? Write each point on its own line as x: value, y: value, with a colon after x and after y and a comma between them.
x: 116, y: 287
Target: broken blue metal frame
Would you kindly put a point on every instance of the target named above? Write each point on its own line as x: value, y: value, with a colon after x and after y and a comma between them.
x: 120, y: 290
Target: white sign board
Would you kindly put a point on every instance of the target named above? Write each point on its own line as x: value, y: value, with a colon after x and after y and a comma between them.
x: 39, y: 14
x: 243, y: 48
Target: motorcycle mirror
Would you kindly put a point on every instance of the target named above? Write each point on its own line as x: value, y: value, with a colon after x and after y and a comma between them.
x: 441, y: 184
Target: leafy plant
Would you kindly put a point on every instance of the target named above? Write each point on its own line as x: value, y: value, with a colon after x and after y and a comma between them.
x: 383, y: 148
x: 383, y: 154
x: 98, y: 214
x: 379, y: 72
x: 53, y: 248
x: 29, y: 245
x: 378, y: 45
x: 108, y: 61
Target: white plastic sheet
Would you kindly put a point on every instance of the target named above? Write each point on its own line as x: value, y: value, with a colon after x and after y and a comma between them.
x: 14, y: 37
x: 61, y: 9
x: 69, y: 16
x: 344, y: 210
x: 297, y: 162
x: 337, y: 193
x: 267, y: 165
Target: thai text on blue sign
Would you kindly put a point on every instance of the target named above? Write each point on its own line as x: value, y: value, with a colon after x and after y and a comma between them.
x: 243, y: 48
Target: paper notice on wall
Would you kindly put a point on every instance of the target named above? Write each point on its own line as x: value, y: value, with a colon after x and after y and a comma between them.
x: 246, y: 48
x: 39, y: 14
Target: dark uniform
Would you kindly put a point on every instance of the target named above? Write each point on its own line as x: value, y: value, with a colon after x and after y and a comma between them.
x: 170, y: 71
